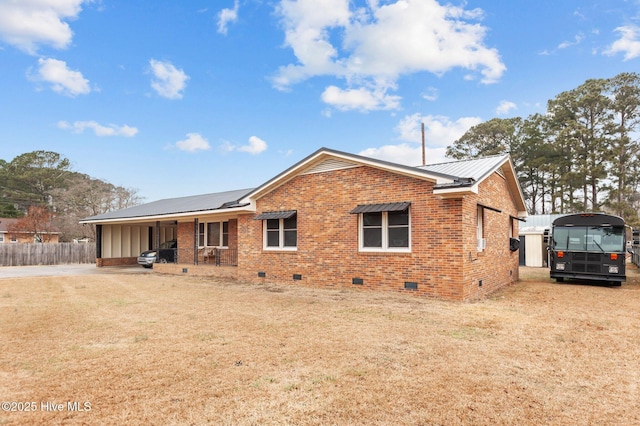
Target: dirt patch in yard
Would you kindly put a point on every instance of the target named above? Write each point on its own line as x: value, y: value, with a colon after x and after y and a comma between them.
x: 155, y: 349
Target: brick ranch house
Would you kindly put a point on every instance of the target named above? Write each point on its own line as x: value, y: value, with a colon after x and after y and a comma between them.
x: 336, y: 219
x: 7, y: 235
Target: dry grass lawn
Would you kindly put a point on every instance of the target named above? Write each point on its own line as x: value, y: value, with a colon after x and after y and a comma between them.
x: 170, y: 350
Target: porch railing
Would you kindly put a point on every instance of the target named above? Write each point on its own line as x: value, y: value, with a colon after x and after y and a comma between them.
x: 226, y: 257
x: 217, y: 256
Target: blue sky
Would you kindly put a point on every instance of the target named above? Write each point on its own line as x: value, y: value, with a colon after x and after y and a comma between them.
x: 176, y: 98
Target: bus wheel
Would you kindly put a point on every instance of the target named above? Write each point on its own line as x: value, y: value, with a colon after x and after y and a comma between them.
x: 560, y: 280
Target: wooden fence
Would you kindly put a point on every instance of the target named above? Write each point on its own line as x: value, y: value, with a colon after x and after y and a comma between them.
x: 46, y: 254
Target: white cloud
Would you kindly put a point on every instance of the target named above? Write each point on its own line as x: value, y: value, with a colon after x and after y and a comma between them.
x: 407, y: 154
x: 431, y: 94
x: 381, y: 42
x: 628, y: 43
x: 168, y: 81
x: 576, y: 40
x: 227, y: 16
x: 62, y: 79
x: 254, y: 147
x: 362, y: 99
x: 440, y: 132
x: 505, y: 107
x: 27, y: 24
x: 99, y: 129
x: 194, y: 142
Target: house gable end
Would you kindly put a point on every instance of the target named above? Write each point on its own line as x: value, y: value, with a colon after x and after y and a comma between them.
x: 326, y: 160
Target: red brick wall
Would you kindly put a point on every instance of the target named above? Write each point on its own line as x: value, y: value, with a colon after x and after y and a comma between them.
x: 444, y: 260
x: 496, y: 266
x: 328, y: 253
x: 233, y: 234
x: 116, y: 261
x: 185, y: 241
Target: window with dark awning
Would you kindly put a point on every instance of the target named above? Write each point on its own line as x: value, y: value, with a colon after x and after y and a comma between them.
x: 285, y: 214
x: 384, y: 207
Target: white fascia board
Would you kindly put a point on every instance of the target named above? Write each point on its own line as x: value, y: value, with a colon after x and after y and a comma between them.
x: 451, y: 192
x: 173, y: 216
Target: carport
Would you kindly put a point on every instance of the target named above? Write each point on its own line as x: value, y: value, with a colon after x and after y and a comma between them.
x: 122, y: 235
x: 120, y: 244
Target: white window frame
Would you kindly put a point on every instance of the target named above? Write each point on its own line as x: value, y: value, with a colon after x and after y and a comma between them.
x: 205, y: 234
x: 481, y: 241
x: 281, y: 232
x: 385, y: 235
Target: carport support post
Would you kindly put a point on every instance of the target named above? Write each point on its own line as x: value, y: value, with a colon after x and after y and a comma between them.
x: 195, y: 241
x: 158, y: 240
x: 98, y: 241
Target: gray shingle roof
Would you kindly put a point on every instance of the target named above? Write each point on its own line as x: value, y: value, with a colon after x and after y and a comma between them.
x: 194, y: 203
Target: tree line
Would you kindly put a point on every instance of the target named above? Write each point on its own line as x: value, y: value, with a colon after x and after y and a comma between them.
x: 42, y: 190
x: 582, y: 154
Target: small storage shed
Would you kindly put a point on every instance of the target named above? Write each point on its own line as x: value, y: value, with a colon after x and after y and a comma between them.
x: 534, y: 239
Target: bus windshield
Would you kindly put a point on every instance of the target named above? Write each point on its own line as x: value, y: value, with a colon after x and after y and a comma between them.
x: 598, y: 239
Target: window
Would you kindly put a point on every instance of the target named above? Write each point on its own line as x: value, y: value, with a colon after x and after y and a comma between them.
x: 201, y: 227
x: 215, y: 234
x: 384, y: 227
x: 280, y: 230
x: 512, y: 227
x: 480, y: 229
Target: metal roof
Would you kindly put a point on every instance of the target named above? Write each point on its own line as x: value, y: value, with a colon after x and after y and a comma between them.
x: 476, y: 169
x: 450, y: 175
x: 384, y: 207
x: 194, y: 203
x: 285, y: 214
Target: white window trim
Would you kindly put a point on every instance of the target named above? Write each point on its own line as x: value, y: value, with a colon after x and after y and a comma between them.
x: 281, y: 246
x: 481, y: 241
x: 206, y: 233
x: 385, y: 236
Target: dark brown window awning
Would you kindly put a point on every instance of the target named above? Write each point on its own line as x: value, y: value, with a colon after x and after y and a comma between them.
x: 384, y: 207
x: 285, y: 214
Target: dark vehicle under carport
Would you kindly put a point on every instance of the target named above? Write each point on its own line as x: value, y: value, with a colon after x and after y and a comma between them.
x: 165, y: 254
